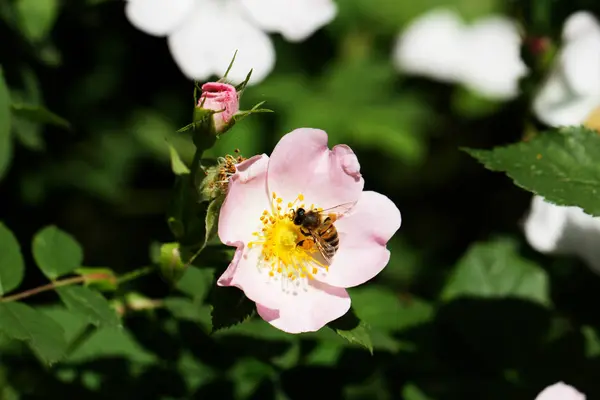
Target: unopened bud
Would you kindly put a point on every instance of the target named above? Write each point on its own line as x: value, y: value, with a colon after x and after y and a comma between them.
x: 223, y: 100
x: 171, y: 265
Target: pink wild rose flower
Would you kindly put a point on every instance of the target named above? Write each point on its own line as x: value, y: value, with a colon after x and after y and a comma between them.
x: 294, y: 288
x: 222, y: 98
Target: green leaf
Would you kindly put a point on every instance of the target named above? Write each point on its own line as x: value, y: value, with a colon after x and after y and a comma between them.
x: 212, y: 218
x: 5, y: 125
x: 12, y: 266
x: 496, y: 270
x: 412, y: 392
x: 196, y: 282
x: 229, y: 307
x: 177, y: 165
x: 396, y: 315
x: 111, y: 343
x: 90, y: 304
x: 56, y: 252
x: 37, y: 113
x: 37, y: 17
x: 351, y: 328
x: 186, y: 309
x: 560, y: 165
x: 247, y: 375
x: 45, y: 337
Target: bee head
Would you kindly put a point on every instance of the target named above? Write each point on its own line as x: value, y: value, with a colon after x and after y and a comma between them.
x: 299, y: 216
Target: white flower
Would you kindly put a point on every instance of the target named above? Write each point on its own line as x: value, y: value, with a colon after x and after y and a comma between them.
x: 554, y: 229
x: 203, y: 35
x: 485, y: 56
x: 560, y: 391
x: 572, y: 90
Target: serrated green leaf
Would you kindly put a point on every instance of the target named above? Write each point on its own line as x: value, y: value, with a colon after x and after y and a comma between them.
x: 90, y: 304
x: 496, y: 270
x: 5, y: 125
x: 396, y: 315
x: 177, y: 165
x: 56, y: 252
x: 560, y: 165
x: 351, y: 328
x: 36, y: 17
x: 229, y: 307
x: 39, y: 114
x: 45, y: 337
x: 12, y: 266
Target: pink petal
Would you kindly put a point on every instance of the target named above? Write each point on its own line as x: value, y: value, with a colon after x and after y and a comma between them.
x: 364, y: 234
x: 309, y: 311
x: 244, y: 273
x: 560, y: 391
x: 246, y: 199
x: 302, y: 163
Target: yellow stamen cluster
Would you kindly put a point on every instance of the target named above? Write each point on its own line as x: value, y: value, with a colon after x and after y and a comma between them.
x: 286, y: 251
x: 225, y: 169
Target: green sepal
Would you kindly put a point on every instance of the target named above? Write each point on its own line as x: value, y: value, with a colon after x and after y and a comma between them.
x: 102, y: 279
x: 240, y: 115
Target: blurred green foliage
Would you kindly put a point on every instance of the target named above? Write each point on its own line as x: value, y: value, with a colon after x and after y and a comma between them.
x: 89, y: 157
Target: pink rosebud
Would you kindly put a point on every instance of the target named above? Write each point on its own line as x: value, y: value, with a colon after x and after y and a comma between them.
x: 277, y: 266
x: 222, y: 98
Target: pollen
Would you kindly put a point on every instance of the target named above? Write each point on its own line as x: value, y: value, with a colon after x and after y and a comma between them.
x: 227, y: 167
x: 285, y: 252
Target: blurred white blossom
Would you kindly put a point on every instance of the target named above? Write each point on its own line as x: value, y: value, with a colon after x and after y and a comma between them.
x: 203, y: 35
x: 571, y: 91
x: 569, y: 96
x: 560, y: 391
x: 484, y: 56
x: 554, y: 229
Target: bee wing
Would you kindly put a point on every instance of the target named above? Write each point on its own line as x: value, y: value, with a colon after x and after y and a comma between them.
x: 339, y: 210
x: 323, y: 247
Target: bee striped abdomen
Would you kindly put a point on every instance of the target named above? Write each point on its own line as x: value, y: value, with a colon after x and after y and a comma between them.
x: 329, y: 234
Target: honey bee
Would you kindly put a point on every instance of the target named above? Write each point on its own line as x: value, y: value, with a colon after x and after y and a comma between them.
x: 318, y: 225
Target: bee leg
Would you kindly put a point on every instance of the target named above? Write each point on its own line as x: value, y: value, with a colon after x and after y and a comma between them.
x: 305, y: 233
x: 306, y: 244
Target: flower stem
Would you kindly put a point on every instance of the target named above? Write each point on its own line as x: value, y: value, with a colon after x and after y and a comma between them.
x: 49, y: 286
x: 130, y: 276
x: 75, y: 280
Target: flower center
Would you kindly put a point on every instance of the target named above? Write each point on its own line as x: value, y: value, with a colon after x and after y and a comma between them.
x: 286, y: 252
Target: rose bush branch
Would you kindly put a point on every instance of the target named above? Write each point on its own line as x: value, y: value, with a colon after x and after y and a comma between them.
x: 87, y: 279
